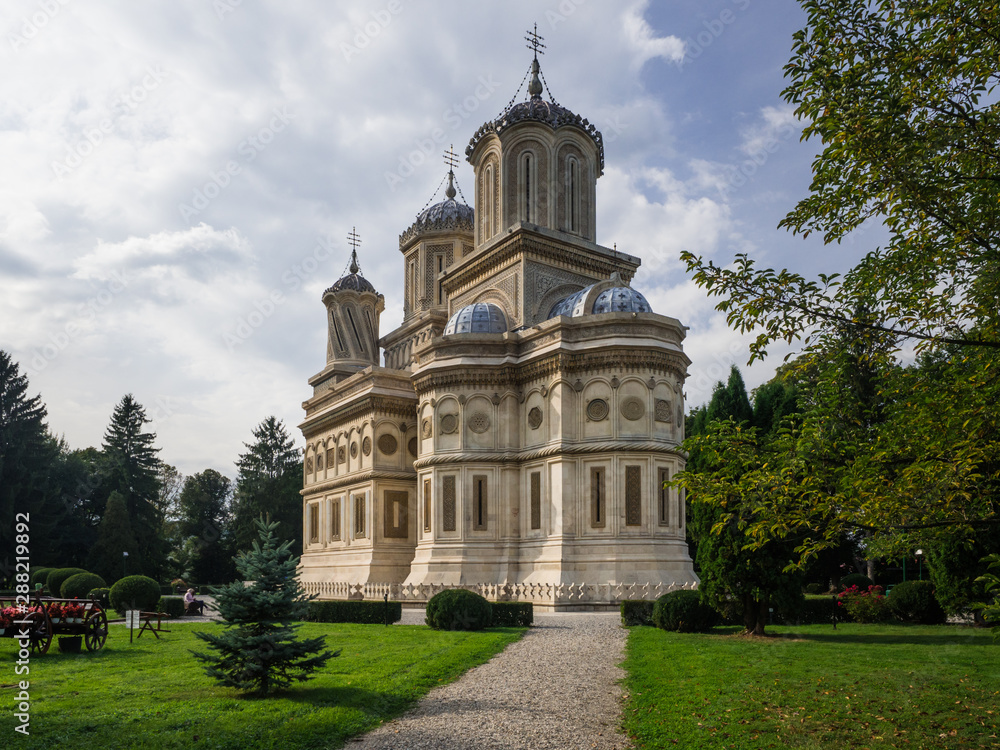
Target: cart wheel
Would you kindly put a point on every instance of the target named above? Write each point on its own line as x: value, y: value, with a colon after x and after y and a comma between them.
x: 95, y: 631
x: 41, y: 633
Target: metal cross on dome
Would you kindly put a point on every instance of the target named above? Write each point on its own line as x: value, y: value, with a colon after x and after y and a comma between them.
x: 450, y: 159
x: 535, y: 42
x: 354, y: 240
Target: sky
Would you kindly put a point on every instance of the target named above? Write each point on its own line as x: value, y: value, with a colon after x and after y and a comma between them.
x: 179, y: 178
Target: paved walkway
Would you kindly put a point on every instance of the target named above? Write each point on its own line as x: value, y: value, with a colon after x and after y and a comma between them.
x: 557, y: 688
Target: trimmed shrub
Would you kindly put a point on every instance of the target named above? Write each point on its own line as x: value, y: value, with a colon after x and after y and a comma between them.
x: 684, y: 612
x: 637, y: 612
x: 914, y: 601
x: 815, y: 588
x: 371, y: 612
x: 39, y: 575
x: 102, y: 595
x: 78, y: 586
x: 458, y: 609
x: 57, y: 577
x: 172, y: 605
x: 134, y: 592
x: 863, y: 582
x: 512, y: 614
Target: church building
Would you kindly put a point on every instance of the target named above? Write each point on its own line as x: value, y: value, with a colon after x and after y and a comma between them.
x: 529, y: 409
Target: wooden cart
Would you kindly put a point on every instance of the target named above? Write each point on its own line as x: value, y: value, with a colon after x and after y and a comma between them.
x: 41, y: 626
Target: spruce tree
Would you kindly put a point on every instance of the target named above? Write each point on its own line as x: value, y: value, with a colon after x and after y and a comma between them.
x: 114, y: 537
x: 259, y: 651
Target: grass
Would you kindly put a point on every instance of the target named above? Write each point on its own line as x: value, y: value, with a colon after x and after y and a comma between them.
x: 154, y: 694
x: 861, y: 686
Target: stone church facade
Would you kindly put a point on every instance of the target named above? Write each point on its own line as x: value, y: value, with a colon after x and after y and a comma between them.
x: 517, y: 438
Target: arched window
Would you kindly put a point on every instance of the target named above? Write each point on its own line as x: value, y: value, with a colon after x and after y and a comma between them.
x: 486, y: 224
x: 526, y: 192
x: 572, y: 195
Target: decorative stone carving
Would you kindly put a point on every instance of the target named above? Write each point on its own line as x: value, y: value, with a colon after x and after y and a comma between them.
x: 462, y: 399
x: 615, y: 382
x: 412, y: 446
x: 496, y: 399
x: 534, y: 417
x: 448, y: 504
x: 661, y: 412
x: 633, y: 409
x: 545, y: 391
x: 449, y: 424
x: 479, y: 422
x: 597, y: 410
x: 366, y: 446
x: 578, y: 385
x: 354, y: 450
x: 651, y: 382
x: 341, y: 455
x: 387, y: 444
x: 426, y: 428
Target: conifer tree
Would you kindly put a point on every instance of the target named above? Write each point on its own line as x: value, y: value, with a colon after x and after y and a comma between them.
x: 203, y: 524
x: 114, y: 537
x: 259, y: 651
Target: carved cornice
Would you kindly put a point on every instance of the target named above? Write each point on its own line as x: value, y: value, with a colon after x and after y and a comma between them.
x: 360, y: 477
x: 548, y: 451
x: 368, y: 406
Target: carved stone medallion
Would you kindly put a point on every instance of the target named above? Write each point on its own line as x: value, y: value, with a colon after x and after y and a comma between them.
x: 354, y: 450
x: 426, y: 428
x: 534, y: 417
x: 449, y: 424
x: 597, y: 409
x: 479, y: 422
x: 633, y: 409
x: 387, y: 444
x: 662, y: 410
x: 341, y: 454
x: 366, y: 446
x: 412, y: 446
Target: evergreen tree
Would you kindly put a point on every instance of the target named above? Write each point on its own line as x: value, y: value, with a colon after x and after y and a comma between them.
x: 259, y: 651
x: 203, y: 520
x: 114, y: 538
x: 268, y: 483
x: 26, y: 454
x: 131, y: 468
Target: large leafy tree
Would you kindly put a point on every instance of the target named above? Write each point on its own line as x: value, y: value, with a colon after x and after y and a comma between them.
x: 901, y: 94
x: 131, y: 468
x: 259, y: 651
x: 268, y: 483
x: 203, y: 521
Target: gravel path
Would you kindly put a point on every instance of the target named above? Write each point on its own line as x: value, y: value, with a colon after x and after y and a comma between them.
x: 555, y: 688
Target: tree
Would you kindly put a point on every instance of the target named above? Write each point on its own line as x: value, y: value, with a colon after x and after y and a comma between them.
x: 114, y: 539
x: 26, y: 454
x: 737, y: 578
x: 268, y: 483
x: 259, y: 651
x: 131, y: 468
x: 203, y: 518
x: 901, y: 95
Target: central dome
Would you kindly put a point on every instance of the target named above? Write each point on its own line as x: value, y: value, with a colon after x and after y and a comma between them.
x: 482, y: 317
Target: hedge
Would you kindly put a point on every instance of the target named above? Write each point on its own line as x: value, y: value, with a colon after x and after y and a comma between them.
x: 684, y: 612
x: 637, y: 612
x: 458, y: 609
x: 172, y: 605
x: 914, y: 601
x: 371, y: 612
x: 512, y: 614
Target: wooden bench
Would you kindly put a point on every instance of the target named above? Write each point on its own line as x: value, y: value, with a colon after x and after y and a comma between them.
x: 147, y: 623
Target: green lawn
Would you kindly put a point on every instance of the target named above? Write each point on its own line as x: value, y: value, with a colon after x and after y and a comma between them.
x: 153, y: 694
x: 861, y: 686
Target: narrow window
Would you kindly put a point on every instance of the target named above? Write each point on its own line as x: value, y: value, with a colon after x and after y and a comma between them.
x: 427, y: 505
x: 357, y: 336
x: 440, y: 292
x: 572, y: 196
x: 396, y: 524
x: 597, y: 500
x: 633, y: 496
x: 359, y: 516
x: 479, y: 509
x: 536, y: 500
x: 336, y: 330
x: 448, y: 502
x: 664, y: 497
x: 313, y: 523
x: 335, y: 519
x: 527, y: 188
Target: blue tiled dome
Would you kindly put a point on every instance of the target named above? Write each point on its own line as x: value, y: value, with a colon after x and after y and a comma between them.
x: 447, y: 213
x: 620, y: 299
x: 571, y: 306
x: 478, y: 318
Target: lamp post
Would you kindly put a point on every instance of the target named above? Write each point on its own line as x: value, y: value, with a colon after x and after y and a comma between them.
x: 920, y: 562
x: 124, y: 564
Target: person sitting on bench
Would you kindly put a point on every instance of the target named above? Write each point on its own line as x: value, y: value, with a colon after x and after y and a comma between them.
x: 193, y: 606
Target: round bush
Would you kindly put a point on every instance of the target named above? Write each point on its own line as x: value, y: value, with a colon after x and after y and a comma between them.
x: 815, y: 588
x: 914, y: 601
x: 172, y: 605
x: 458, y: 609
x: 684, y: 612
x: 863, y: 582
x: 78, y: 586
x: 134, y: 592
x: 102, y: 595
x: 39, y: 575
x: 57, y: 577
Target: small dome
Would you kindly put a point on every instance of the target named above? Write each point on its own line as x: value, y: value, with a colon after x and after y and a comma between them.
x: 620, y: 299
x: 352, y: 281
x: 448, y: 212
x: 478, y: 318
x: 571, y: 306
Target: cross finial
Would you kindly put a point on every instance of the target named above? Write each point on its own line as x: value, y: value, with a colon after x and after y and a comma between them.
x: 535, y: 42
x: 354, y: 240
x: 450, y: 159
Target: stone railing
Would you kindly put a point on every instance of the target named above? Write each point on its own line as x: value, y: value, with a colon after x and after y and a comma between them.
x: 556, y: 595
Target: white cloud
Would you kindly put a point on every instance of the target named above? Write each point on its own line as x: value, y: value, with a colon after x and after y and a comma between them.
x: 642, y: 39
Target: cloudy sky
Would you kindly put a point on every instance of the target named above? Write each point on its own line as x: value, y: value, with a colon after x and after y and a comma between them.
x: 179, y: 177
